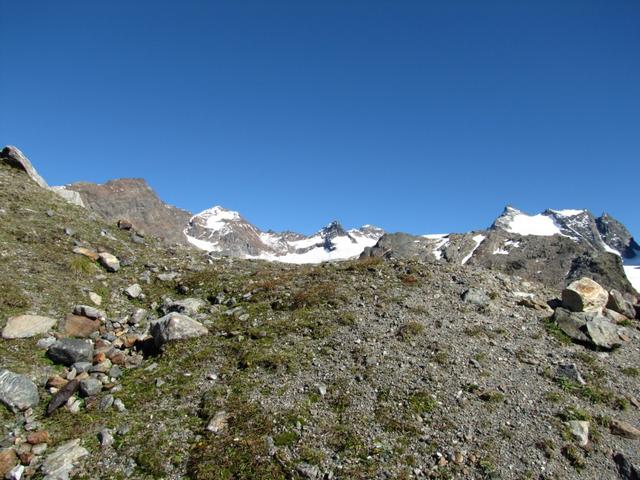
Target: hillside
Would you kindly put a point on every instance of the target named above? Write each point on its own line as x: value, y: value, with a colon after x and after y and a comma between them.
x: 360, y: 369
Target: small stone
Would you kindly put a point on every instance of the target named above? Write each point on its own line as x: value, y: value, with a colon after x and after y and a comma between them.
x: 90, y: 387
x: 624, y: 429
x: 105, y: 437
x: 109, y: 262
x: 25, y: 326
x: 39, y: 448
x: 475, y: 297
x: 106, y: 402
x: 74, y: 406
x: 102, y: 367
x: 95, y: 298
x: 46, y: 342
x: 322, y: 389
x: 41, y: 436
x: 186, y: 306
x: 89, y: 312
x: 56, y: 381
x: 82, y: 367
x: 580, y: 431
x: 119, y: 405
x: 17, y: 392
x: 570, y: 372
x: 218, y: 423
x: 16, y: 472
x: 133, y: 291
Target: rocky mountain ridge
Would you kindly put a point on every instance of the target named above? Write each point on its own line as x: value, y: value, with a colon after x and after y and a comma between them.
x: 555, y: 246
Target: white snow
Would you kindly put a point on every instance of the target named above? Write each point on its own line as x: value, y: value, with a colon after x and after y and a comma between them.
x: 568, y: 212
x: 345, y: 249
x: 633, y: 274
x: 201, y: 244
x: 542, y: 225
x: 506, y: 247
x: 216, y: 218
x: 478, y: 239
x: 442, y: 241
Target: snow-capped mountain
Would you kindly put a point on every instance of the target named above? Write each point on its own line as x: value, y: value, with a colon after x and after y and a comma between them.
x: 551, y: 247
x: 225, y: 232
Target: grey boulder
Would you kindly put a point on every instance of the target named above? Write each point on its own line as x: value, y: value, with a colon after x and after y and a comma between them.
x: 68, y: 351
x: 176, y: 326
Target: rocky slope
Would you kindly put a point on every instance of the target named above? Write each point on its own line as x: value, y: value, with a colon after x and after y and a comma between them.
x: 129, y: 359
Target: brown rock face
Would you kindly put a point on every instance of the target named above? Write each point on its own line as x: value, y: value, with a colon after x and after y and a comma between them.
x: 133, y: 201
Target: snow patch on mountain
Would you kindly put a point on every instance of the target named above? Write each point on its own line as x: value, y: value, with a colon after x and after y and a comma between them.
x: 478, y: 239
x: 516, y: 221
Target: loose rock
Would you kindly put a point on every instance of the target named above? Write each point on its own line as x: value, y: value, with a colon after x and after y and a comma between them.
x: 68, y: 351
x: 176, y: 326
x: 584, y: 295
x: 60, y: 464
x: 25, y: 326
x: 17, y: 391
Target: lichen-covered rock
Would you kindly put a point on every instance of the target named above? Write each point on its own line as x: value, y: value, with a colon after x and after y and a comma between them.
x: 618, y: 304
x: 584, y: 295
x: 176, y: 326
x: 17, y: 391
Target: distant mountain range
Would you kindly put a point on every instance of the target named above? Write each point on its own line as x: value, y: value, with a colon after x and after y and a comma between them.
x: 552, y: 247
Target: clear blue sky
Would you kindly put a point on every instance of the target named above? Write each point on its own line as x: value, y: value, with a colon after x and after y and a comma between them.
x: 416, y: 116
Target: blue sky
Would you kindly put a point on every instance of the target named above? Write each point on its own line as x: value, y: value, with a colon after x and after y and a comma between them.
x: 416, y: 116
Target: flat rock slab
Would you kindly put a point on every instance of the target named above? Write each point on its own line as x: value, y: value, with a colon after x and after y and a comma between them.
x: 59, y: 464
x: 17, y: 391
x: 25, y: 326
x: 79, y: 326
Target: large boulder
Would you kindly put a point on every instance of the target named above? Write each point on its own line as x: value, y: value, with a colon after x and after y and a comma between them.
x: 14, y: 157
x: 25, y: 326
x: 176, y: 326
x: 17, y: 391
x: 584, y: 295
x: 68, y: 351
